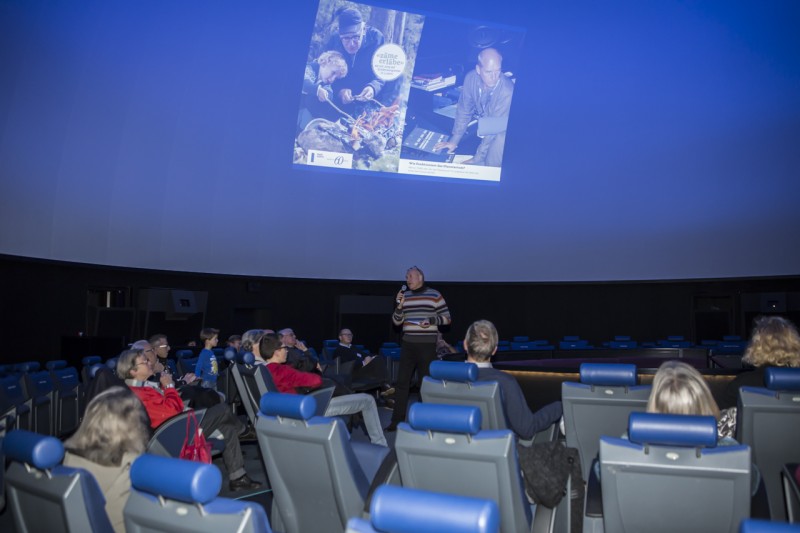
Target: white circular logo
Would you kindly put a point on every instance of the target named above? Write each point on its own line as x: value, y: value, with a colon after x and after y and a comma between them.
x: 388, y: 62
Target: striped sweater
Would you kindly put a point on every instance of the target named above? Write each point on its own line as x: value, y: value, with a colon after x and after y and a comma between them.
x: 423, y: 303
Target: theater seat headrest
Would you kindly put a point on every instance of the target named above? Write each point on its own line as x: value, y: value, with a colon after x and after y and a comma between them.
x: 248, y: 358
x: 608, y: 374
x: 31, y: 448
x: 56, y: 365
x: 782, y: 379
x: 446, y: 418
x: 288, y: 405
x: 176, y: 479
x: 432, y: 512
x: 672, y: 430
x: 454, y: 371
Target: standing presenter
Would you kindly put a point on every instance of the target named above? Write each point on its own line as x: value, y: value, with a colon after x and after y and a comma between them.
x: 420, y: 311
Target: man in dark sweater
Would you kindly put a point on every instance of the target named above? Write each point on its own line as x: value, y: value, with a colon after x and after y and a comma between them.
x: 481, y: 344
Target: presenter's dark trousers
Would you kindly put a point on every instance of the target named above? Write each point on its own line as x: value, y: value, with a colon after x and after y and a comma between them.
x: 414, y: 356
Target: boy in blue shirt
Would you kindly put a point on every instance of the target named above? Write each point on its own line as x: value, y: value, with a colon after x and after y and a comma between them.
x: 207, y: 368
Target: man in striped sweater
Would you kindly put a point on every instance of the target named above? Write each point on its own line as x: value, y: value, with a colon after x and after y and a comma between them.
x: 420, y: 311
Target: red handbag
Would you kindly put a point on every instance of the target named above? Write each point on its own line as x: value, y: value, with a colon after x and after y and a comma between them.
x: 195, y: 446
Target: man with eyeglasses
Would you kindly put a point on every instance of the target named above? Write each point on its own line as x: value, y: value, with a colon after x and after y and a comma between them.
x: 357, y: 43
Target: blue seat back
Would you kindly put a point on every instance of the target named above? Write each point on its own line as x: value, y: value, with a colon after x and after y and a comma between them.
x: 317, y: 481
x: 170, y: 494
x: 600, y: 405
x: 433, y: 513
x: 455, y: 383
x: 43, y: 495
x: 674, y: 459
x: 442, y: 449
x: 768, y: 420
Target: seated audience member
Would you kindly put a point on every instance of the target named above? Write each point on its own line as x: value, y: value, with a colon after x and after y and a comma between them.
x: 366, y: 367
x: 250, y: 340
x: 235, y: 342
x: 160, y: 345
x: 207, y: 367
x: 443, y: 349
x: 287, y: 379
x: 164, y: 402
x: 199, y: 397
x: 299, y: 356
x: 775, y: 342
x: 679, y: 389
x: 481, y: 344
x: 113, y: 433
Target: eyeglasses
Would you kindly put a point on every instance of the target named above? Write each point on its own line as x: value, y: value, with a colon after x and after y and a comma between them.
x: 351, y: 37
x: 142, y: 363
x: 347, y: 334
x: 163, y: 345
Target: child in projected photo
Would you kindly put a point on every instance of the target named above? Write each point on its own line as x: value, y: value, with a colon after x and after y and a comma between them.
x: 317, y: 86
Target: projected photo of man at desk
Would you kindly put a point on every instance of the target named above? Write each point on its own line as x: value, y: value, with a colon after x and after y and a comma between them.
x: 485, y: 97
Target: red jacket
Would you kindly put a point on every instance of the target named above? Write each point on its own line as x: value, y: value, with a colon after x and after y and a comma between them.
x: 287, y: 378
x: 159, y: 407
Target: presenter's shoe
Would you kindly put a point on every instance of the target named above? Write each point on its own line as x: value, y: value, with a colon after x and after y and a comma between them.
x: 243, y: 483
x: 388, y: 390
x: 390, y: 428
x: 388, y: 402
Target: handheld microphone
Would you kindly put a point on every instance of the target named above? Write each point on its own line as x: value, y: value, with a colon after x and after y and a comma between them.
x: 402, y: 289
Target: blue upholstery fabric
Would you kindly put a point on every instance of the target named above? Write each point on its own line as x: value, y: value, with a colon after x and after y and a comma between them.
x: 176, y: 479
x: 248, y: 358
x: 673, y: 430
x: 609, y: 374
x: 91, y: 360
x: 432, y: 512
x: 33, y: 449
x: 56, y: 365
x: 782, y: 379
x: 449, y: 370
x: 288, y: 405
x: 446, y: 418
x: 766, y: 526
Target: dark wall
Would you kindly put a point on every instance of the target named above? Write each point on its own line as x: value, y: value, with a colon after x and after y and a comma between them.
x: 44, y: 302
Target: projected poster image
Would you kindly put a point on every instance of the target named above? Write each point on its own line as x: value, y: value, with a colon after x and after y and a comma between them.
x: 407, y: 94
x: 355, y: 87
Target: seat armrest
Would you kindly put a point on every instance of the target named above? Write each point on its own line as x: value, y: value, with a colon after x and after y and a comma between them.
x: 594, y: 494
x: 323, y: 398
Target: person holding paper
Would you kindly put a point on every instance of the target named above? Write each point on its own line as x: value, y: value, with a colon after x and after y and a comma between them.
x: 485, y: 96
x: 420, y: 310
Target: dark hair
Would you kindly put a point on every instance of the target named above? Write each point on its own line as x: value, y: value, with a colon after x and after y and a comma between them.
x: 208, y: 333
x: 268, y: 345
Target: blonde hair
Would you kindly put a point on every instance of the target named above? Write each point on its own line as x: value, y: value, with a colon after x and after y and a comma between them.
x: 679, y: 389
x: 115, y: 423
x: 774, y: 342
x: 336, y: 60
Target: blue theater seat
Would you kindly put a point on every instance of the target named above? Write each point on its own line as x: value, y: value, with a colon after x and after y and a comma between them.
x: 442, y: 449
x: 600, y: 405
x: 319, y: 477
x: 453, y: 383
x: 43, y: 495
x: 432, y: 513
x: 169, y: 495
x: 768, y: 420
x: 765, y: 526
x: 671, y: 476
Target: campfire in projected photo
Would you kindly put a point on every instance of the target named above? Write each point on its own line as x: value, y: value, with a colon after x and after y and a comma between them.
x: 371, y: 137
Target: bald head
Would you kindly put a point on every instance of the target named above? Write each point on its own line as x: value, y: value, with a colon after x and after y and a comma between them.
x: 489, y: 67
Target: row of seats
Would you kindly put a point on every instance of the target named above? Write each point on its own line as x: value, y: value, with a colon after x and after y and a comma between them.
x: 729, y: 344
x: 175, y: 495
x: 602, y: 406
